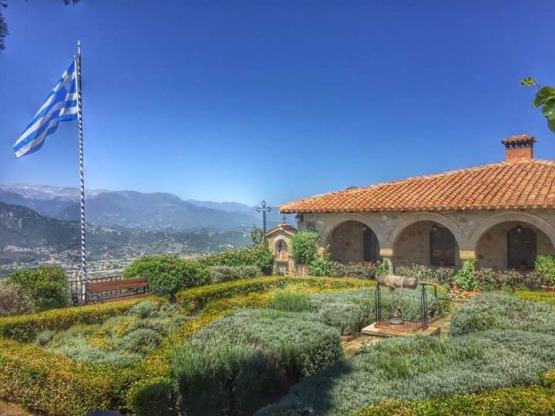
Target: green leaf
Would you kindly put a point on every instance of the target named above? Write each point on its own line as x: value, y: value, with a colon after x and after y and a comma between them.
x: 548, y: 109
x: 543, y: 95
x: 551, y: 125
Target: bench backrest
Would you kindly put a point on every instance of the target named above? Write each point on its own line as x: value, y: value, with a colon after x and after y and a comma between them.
x: 111, y: 285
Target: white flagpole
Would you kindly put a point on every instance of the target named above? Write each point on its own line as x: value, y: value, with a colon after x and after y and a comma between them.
x: 83, y: 268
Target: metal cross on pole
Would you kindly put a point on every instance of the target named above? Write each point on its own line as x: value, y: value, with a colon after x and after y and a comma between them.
x: 263, y: 209
x: 284, y: 219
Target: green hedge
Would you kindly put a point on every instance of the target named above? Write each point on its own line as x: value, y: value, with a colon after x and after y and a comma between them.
x: 497, y: 310
x: 25, y: 328
x: 46, y: 287
x: 536, y: 296
x: 220, y: 274
x: 531, y: 400
x: 250, y: 358
x: 508, y: 344
x: 167, y: 274
x: 258, y: 255
x: 57, y: 385
x: 194, y: 299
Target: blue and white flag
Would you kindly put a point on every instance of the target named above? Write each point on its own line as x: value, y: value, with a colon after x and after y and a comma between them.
x: 60, y: 105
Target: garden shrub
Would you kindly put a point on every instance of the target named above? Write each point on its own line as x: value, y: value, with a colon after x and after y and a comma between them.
x: 464, y: 278
x: 220, y: 274
x: 46, y: 287
x: 441, y: 275
x: 502, y: 311
x: 422, y: 368
x: 290, y: 300
x: 304, y: 247
x: 323, y: 266
x: 154, y: 397
x: 120, y: 340
x: 194, y: 299
x: 55, y: 384
x: 167, y: 274
x: 537, y: 296
x: 238, y: 363
x: 258, y: 255
x: 13, y: 302
x: 513, y: 279
x: 510, y: 401
x: 25, y: 328
x: 488, y: 279
x: 545, y: 267
x: 363, y: 270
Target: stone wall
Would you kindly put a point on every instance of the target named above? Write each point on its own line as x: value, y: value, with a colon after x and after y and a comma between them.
x: 346, y: 244
x: 492, y: 248
x: 400, y: 243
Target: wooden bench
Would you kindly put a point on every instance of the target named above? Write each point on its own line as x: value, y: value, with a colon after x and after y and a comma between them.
x: 100, y: 291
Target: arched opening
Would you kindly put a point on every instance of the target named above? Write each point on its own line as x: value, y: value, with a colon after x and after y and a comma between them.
x: 353, y: 242
x: 428, y: 243
x: 512, y: 245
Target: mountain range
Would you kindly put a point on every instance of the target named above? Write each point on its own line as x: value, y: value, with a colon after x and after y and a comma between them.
x: 27, y: 236
x: 130, y: 209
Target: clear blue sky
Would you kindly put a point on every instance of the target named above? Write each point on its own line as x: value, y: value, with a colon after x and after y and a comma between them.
x: 275, y: 99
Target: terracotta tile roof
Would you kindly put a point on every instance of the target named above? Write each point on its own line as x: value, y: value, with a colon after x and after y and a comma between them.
x: 508, y: 185
x: 521, y: 138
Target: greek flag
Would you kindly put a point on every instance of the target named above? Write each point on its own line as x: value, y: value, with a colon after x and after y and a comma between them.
x: 60, y: 105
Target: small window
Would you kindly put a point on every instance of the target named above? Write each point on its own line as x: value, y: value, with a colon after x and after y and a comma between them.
x: 310, y: 226
x: 521, y: 248
x: 442, y: 247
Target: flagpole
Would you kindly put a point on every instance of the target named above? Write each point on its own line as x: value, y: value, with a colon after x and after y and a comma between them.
x: 83, y: 268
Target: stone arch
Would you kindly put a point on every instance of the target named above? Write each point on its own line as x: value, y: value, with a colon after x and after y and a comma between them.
x: 411, y: 219
x: 523, y: 217
x: 336, y: 221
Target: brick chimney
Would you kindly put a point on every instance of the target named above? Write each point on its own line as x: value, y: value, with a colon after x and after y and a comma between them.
x: 519, y: 147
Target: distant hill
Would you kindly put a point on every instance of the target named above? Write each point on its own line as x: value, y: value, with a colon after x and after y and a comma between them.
x: 273, y: 217
x: 147, y: 211
x: 24, y: 234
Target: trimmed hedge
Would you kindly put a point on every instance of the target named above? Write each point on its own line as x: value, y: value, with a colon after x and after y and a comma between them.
x: 258, y: 255
x: 194, y: 299
x: 25, y: 328
x: 501, y: 311
x: 57, y: 385
x: 535, y: 296
x: 245, y: 360
x: 531, y: 400
x: 497, y: 341
x: 220, y: 274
